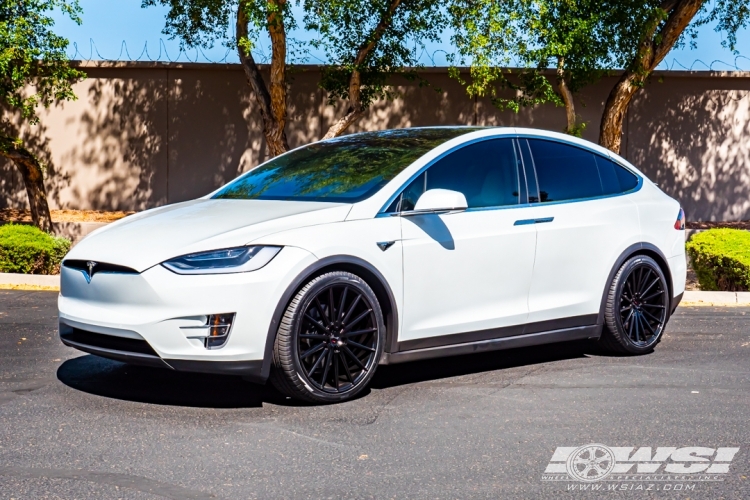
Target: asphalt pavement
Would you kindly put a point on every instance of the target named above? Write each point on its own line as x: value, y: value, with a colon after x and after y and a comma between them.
x: 74, y: 425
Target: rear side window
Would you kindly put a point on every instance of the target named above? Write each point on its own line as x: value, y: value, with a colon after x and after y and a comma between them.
x: 485, y: 172
x: 615, y: 179
x: 564, y: 172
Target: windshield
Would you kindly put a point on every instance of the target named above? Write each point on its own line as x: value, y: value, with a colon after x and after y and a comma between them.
x: 346, y: 169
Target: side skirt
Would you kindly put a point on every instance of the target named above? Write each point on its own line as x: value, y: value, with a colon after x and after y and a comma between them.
x: 532, y: 339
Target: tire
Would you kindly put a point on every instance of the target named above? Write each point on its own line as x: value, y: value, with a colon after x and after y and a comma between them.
x: 320, y: 357
x: 637, y: 307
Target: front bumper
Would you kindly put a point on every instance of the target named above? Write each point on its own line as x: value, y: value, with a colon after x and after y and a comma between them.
x: 146, y: 318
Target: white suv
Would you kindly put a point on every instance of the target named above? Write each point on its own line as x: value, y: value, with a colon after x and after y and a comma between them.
x: 384, y: 247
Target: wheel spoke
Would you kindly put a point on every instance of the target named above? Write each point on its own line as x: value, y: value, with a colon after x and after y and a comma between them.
x: 354, y: 358
x: 347, y: 371
x: 336, y: 369
x: 360, y: 346
x: 325, y: 317
x: 313, y: 336
x: 331, y: 308
x: 653, y: 305
x: 329, y: 356
x: 623, y: 309
x: 351, y: 308
x: 358, y: 319
x: 651, y: 316
x: 343, y: 302
x: 315, y: 322
x: 630, y: 324
x: 358, y: 332
x: 317, y: 363
x: 649, y: 287
x: 645, y: 322
x: 655, y: 294
x: 313, y: 350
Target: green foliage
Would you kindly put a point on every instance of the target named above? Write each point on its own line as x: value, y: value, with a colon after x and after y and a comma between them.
x: 377, y: 38
x: 26, y: 249
x: 582, y: 36
x: 202, y: 23
x: 32, y: 56
x: 721, y: 259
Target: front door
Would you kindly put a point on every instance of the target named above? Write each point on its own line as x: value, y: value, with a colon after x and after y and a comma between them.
x: 467, y: 274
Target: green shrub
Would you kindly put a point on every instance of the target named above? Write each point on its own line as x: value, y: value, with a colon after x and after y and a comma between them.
x: 26, y: 249
x: 721, y: 259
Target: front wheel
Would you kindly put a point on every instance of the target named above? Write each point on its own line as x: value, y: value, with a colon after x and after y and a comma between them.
x: 637, y: 307
x: 330, y: 340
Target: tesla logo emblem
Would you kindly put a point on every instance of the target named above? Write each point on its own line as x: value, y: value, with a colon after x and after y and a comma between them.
x: 90, y: 264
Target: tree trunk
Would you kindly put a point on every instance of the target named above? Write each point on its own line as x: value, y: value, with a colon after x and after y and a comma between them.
x: 656, y: 44
x: 567, y: 97
x: 271, y: 105
x: 355, y: 110
x: 33, y: 179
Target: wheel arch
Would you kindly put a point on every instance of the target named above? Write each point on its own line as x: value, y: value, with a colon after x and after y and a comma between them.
x: 348, y: 263
x: 641, y: 248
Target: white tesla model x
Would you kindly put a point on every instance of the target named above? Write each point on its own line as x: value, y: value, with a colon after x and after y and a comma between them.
x: 384, y: 247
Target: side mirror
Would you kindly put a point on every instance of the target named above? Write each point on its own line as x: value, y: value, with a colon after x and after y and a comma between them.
x: 440, y: 200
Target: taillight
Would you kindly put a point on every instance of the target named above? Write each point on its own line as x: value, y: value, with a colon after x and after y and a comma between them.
x: 680, y: 222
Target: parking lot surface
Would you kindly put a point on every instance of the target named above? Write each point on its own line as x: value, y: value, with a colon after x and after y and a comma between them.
x: 74, y: 425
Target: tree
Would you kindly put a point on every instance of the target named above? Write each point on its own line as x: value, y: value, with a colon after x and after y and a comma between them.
x: 578, y: 38
x: 657, y: 27
x: 201, y: 23
x: 368, y: 42
x: 34, y: 71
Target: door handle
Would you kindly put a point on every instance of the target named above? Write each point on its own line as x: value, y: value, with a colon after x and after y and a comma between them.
x: 524, y: 222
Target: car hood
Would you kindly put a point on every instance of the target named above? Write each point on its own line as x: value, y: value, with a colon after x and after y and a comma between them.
x: 143, y: 240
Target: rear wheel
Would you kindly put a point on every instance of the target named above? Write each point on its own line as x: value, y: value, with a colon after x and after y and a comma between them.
x: 330, y: 340
x: 637, y: 307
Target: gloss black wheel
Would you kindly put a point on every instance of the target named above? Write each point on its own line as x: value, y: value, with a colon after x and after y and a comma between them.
x: 637, y: 307
x: 330, y: 339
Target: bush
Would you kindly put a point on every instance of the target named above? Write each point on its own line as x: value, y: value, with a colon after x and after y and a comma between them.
x: 721, y: 259
x: 26, y: 249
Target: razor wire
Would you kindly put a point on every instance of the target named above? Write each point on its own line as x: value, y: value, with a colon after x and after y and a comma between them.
x: 425, y: 58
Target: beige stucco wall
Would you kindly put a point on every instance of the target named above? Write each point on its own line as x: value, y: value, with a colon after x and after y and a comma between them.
x: 142, y: 135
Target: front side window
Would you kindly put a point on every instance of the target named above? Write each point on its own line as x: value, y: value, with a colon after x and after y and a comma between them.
x: 347, y: 169
x: 485, y: 172
x: 564, y: 172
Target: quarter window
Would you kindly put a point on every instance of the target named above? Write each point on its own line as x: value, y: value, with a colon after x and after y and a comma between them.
x: 615, y: 179
x: 485, y: 172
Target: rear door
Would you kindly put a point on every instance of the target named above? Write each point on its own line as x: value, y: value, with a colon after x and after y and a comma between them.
x: 467, y: 274
x: 583, y: 225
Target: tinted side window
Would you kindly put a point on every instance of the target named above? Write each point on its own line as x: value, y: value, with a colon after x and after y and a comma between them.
x: 564, y: 172
x: 485, y: 172
x: 615, y: 179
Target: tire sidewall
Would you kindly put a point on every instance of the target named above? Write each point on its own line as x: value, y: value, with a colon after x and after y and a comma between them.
x: 309, y: 295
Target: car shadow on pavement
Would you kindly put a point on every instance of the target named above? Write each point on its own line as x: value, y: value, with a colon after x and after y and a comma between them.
x: 438, y: 368
x: 112, y: 379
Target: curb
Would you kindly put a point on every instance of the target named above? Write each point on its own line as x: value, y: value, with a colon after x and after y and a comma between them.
x: 695, y: 298
x: 14, y: 281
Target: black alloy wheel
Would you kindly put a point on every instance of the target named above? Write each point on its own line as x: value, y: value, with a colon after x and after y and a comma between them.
x: 637, y: 307
x: 330, y: 340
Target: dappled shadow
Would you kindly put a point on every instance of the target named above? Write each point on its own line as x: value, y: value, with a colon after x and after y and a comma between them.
x: 112, y: 379
x: 693, y: 139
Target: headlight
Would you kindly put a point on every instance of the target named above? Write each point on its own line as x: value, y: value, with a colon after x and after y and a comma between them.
x: 227, y: 260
